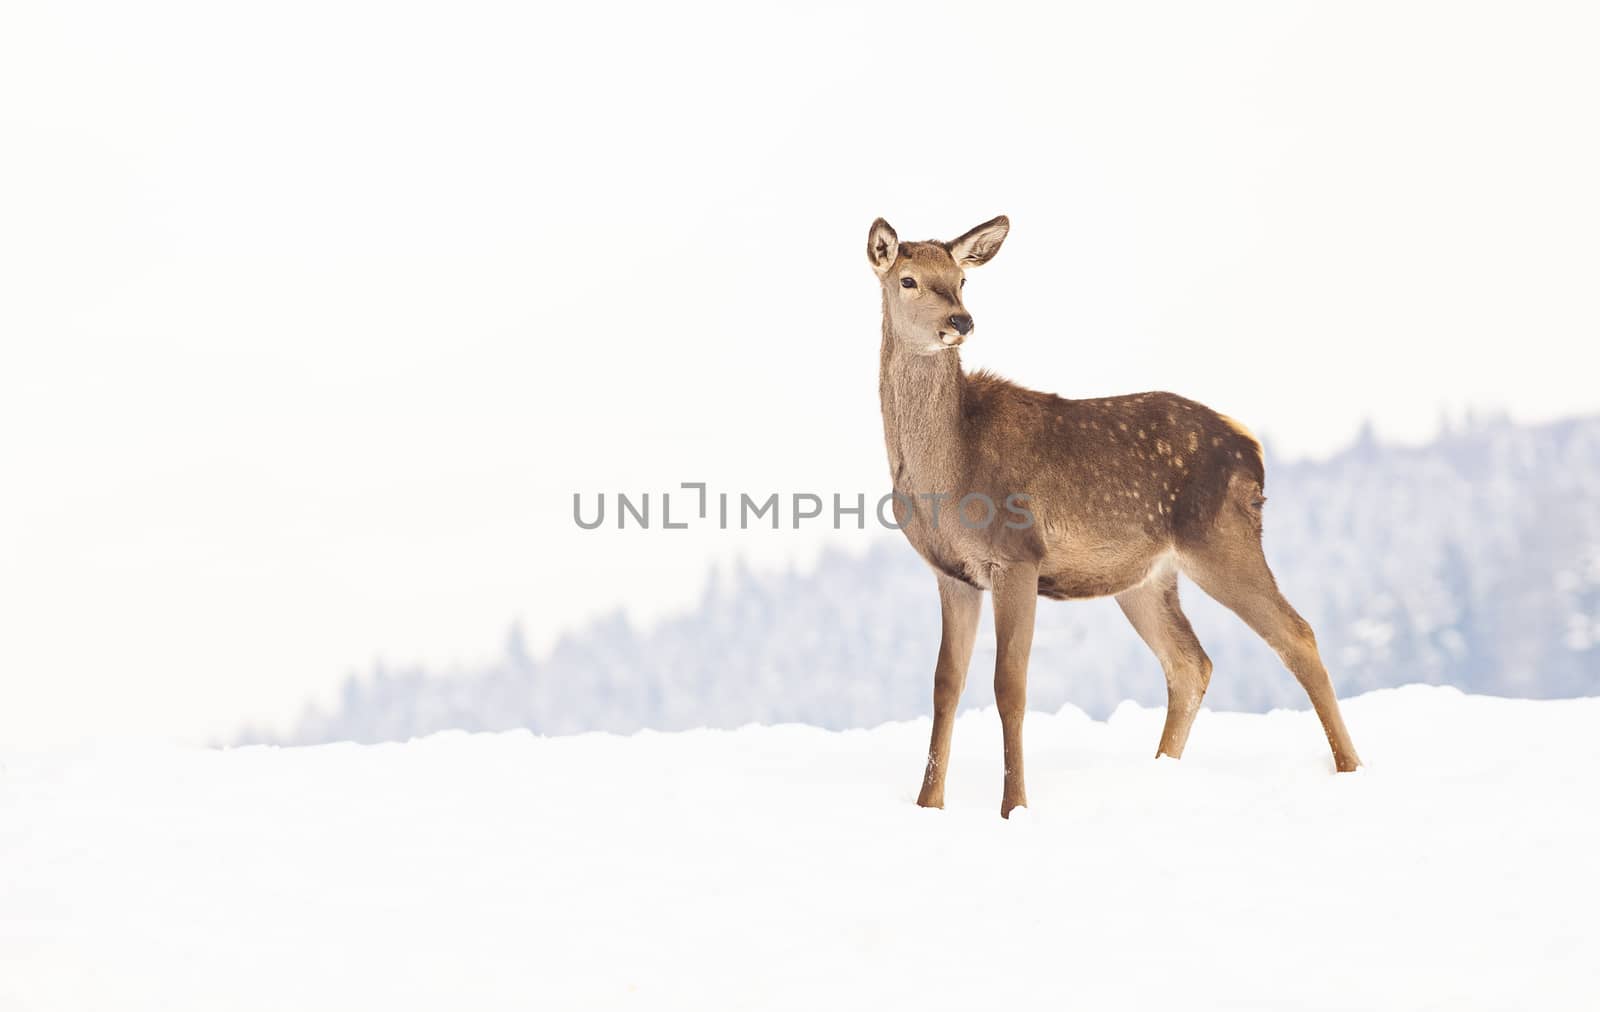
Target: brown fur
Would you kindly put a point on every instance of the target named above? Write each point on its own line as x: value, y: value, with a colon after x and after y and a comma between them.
x: 1125, y: 493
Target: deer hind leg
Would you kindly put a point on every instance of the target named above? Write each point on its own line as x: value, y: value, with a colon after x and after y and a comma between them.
x: 960, y: 605
x: 1153, y: 609
x: 1231, y: 567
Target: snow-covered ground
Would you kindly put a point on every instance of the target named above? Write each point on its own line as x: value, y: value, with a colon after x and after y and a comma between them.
x: 787, y: 867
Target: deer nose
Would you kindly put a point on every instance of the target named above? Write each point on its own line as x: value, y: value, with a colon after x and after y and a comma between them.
x: 963, y: 324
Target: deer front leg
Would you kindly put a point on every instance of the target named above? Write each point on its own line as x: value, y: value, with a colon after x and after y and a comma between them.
x: 959, y: 604
x: 1016, y: 595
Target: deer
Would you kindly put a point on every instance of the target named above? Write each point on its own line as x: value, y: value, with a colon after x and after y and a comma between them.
x: 1123, y: 493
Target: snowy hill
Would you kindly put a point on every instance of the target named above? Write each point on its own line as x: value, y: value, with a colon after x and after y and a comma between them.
x: 1474, y: 561
x: 787, y: 867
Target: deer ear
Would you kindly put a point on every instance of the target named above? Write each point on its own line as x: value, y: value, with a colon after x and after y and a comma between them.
x: 981, y: 244
x: 882, y: 246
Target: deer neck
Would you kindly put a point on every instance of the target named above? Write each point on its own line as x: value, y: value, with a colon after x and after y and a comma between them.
x: 921, y: 397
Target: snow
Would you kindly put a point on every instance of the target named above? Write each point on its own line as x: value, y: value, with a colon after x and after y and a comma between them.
x: 787, y: 867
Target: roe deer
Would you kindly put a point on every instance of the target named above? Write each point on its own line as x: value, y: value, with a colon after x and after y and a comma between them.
x: 1125, y: 492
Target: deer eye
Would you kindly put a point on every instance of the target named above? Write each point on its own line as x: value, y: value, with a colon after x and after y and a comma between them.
x: 908, y: 282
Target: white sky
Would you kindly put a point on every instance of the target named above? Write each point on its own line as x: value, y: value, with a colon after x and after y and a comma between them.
x: 313, y: 316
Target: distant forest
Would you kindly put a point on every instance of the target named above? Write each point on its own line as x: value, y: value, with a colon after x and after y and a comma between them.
x: 1473, y: 561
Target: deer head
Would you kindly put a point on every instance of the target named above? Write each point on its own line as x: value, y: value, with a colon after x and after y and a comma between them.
x: 922, y: 282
